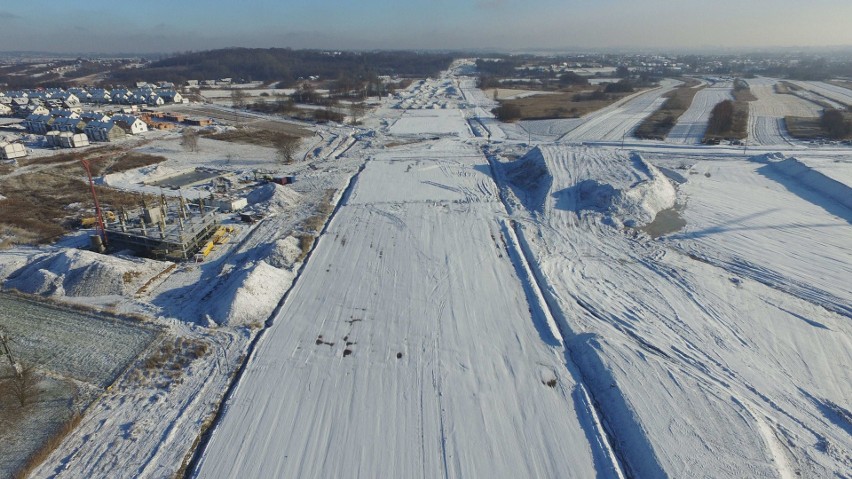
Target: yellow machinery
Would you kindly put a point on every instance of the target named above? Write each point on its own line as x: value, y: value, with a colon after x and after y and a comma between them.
x: 93, y: 220
x: 223, y: 234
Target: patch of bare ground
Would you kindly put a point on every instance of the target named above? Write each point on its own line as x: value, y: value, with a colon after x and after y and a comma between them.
x: 34, y: 419
x: 660, y: 123
x: 571, y: 102
x: 254, y: 136
x: 803, y: 127
x: 815, y: 128
x: 35, y: 210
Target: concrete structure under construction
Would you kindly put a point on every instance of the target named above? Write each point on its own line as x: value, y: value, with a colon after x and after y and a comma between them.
x: 166, y: 231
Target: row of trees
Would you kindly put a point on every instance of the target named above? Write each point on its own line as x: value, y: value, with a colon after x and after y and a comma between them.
x: 836, y: 124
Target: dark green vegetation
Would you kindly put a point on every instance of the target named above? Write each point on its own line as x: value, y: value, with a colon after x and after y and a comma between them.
x: 660, y: 123
x: 349, y: 69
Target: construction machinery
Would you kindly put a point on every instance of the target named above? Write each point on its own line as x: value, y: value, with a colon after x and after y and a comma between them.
x: 109, y: 216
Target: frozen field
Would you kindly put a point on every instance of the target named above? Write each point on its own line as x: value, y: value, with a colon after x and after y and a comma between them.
x: 835, y: 93
x: 61, y: 340
x: 691, y: 126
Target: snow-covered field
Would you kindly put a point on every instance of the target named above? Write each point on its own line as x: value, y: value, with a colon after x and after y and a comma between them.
x: 621, y: 118
x: 658, y: 327
x: 834, y: 93
x: 766, y: 114
x: 410, y: 328
x: 691, y: 126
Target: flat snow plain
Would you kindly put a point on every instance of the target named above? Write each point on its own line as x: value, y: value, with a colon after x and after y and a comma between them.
x: 409, y: 348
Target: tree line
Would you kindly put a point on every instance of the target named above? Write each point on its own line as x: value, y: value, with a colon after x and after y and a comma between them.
x: 286, y: 65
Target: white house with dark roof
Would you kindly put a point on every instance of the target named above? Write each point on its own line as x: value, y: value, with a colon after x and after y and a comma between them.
x: 130, y: 124
x: 170, y: 96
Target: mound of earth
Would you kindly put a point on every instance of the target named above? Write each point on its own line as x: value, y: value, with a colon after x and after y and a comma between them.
x: 249, y: 295
x: 73, y: 272
x: 273, y: 197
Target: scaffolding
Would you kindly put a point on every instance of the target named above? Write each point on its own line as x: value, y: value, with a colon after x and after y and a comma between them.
x: 163, y: 231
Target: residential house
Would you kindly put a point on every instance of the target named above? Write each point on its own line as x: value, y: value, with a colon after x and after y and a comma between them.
x: 104, y: 131
x: 5, y: 110
x: 90, y: 116
x: 130, y: 124
x: 100, y: 96
x: 72, y: 140
x: 34, y: 109
x: 68, y: 124
x: 38, y: 124
x: 170, y: 96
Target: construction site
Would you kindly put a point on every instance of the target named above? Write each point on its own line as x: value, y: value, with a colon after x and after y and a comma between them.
x: 178, y: 231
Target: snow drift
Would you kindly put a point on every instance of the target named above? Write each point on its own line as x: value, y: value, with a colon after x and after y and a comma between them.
x: 530, y: 178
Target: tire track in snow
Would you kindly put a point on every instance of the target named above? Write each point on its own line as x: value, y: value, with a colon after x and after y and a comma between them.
x: 192, y: 468
x: 600, y: 439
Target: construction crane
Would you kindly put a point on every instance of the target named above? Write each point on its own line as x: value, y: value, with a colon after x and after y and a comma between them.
x: 100, y: 218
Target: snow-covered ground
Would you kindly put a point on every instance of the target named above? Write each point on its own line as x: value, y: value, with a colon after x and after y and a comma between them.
x: 481, y: 307
x: 657, y: 326
x: 843, y: 96
x: 410, y: 327
x: 621, y: 118
x: 766, y: 114
x: 690, y: 127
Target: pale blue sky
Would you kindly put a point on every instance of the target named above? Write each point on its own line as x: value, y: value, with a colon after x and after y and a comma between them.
x: 168, y: 26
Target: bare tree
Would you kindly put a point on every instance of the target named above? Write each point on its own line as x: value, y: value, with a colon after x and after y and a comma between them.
x: 189, y: 140
x: 356, y: 109
x: 287, y: 147
x: 238, y: 98
x: 24, y: 387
